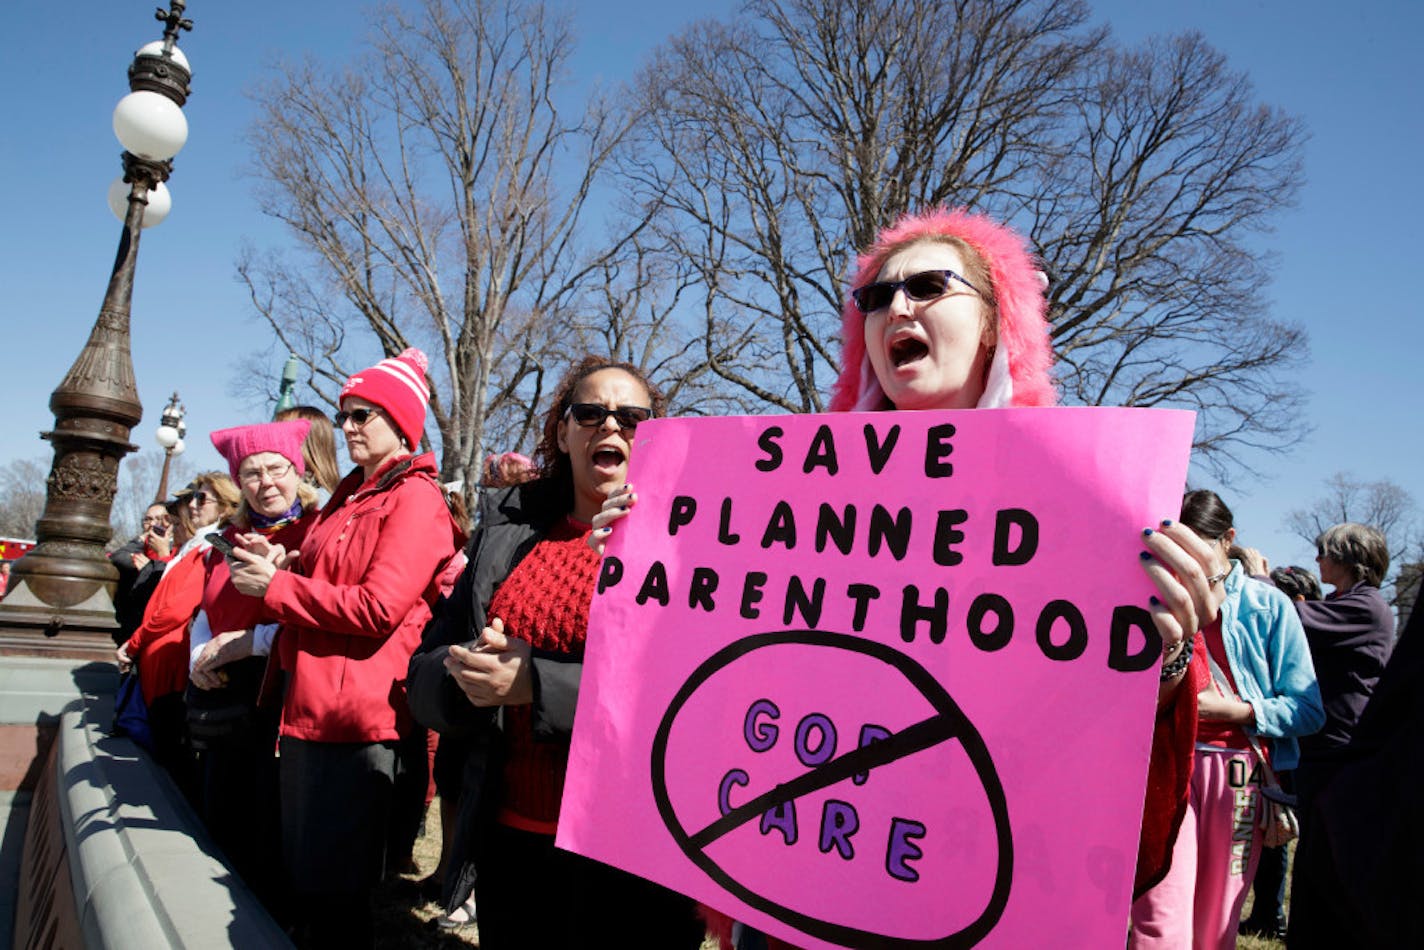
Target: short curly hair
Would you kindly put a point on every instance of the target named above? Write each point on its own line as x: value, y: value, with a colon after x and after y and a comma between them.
x: 553, y: 463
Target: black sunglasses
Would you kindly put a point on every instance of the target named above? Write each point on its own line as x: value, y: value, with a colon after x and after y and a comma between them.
x: 201, y: 498
x: 592, y: 414
x: 926, y: 285
x: 358, y: 416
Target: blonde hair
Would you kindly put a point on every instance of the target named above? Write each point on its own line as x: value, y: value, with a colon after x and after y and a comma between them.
x: 318, y: 448
x: 223, y: 488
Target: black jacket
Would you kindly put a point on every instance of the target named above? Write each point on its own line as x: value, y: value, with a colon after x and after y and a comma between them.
x: 511, y: 522
x: 134, y: 588
x: 1359, y: 864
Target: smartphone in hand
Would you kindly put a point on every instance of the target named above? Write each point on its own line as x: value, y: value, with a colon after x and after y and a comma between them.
x: 223, y: 545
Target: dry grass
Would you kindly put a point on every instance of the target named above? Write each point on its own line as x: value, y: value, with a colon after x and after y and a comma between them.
x: 404, y: 922
x: 1247, y: 942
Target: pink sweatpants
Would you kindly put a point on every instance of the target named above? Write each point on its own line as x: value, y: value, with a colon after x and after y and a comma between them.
x: 1198, y: 903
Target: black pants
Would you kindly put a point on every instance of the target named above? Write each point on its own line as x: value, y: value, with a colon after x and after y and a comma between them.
x: 238, y: 796
x: 168, y: 720
x: 531, y: 894
x: 1268, y: 888
x: 336, y: 802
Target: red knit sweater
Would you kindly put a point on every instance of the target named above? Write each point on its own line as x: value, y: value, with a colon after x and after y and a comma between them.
x: 545, y: 600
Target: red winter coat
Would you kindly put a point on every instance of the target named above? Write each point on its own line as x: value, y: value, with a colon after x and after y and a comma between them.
x: 159, y: 647
x: 226, y: 608
x: 353, y: 610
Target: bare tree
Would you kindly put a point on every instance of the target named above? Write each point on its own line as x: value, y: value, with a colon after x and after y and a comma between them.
x: 1382, y: 504
x: 778, y: 142
x: 436, y: 191
x: 22, y: 496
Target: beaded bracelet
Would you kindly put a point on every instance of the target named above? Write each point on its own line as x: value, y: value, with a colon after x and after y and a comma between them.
x: 1174, y: 669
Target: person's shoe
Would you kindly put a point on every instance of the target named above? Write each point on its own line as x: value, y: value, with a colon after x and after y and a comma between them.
x: 429, y: 887
x: 1274, y: 930
x: 459, y: 918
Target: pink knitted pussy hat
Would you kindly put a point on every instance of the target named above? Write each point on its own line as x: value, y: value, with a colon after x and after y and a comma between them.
x: 284, y: 438
x: 397, y: 385
x: 1020, y: 374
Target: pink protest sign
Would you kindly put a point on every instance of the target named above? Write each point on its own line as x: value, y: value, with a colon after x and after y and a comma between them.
x: 881, y: 679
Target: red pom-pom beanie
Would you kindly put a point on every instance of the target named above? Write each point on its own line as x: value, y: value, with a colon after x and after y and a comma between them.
x: 398, y: 386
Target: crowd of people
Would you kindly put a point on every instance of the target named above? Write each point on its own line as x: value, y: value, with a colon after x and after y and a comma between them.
x: 317, y: 652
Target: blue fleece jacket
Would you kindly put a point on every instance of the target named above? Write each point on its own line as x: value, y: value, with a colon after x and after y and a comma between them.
x: 1270, y: 661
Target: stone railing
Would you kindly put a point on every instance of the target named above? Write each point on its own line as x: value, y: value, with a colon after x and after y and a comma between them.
x: 115, y: 858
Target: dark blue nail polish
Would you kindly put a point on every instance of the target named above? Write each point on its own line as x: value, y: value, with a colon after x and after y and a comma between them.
x: 1144, y: 555
x: 1146, y: 532
x: 1155, y: 601
x: 1166, y: 522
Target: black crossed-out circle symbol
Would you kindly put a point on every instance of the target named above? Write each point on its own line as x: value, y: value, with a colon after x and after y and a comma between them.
x: 947, y: 723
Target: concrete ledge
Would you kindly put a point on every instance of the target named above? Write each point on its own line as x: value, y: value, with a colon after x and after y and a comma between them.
x: 144, y: 872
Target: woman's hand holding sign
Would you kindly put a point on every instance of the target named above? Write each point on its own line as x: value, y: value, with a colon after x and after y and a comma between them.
x: 494, y: 669
x: 1189, y: 596
x: 617, y: 505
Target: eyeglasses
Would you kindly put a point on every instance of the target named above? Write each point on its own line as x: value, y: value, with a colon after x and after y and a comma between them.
x: 272, y: 473
x: 201, y: 498
x: 590, y: 415
x: 926, y: 285
x: 150, y: 522
x: 358, y: 416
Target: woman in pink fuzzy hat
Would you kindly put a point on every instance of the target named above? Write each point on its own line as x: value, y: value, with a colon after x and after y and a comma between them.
x: 947, y: 311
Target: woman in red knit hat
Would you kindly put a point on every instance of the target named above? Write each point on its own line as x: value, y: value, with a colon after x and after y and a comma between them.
x: 501, y: 663
x: 351, y: 608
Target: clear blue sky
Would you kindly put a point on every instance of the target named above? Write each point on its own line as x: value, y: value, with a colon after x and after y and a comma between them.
x: 1347, y: 252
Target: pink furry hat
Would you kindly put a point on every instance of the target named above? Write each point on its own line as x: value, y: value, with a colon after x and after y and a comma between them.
x: 1023, y: 359
x: 284, y: 438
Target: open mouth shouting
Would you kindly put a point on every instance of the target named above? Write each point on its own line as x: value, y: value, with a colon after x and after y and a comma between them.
x: 906, y: 348
x: 608, y: 459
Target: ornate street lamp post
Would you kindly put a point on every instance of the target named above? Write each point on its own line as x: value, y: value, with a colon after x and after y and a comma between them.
x: 66, y: 581
x: 169, y: 436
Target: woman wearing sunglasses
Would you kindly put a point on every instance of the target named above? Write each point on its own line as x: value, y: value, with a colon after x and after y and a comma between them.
x: 501, y: 663
x: 159, y: 647
x: 351, y: 607
x: 947, y: 311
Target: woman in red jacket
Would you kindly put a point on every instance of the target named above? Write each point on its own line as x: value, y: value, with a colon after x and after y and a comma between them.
x: 159, y: 647
x: 351, y: 609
